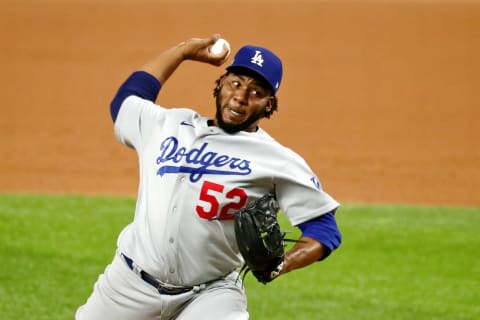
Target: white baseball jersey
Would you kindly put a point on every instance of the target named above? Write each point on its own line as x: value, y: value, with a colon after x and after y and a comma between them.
x: 192, y: 178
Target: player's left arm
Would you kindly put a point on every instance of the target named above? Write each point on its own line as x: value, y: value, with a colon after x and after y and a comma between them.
x: 320, y: 237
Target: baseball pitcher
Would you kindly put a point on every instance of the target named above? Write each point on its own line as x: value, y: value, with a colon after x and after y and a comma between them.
x: 181, y: 255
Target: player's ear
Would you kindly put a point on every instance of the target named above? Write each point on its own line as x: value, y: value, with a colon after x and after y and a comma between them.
x: 269, y: 106
x: 219, y: 84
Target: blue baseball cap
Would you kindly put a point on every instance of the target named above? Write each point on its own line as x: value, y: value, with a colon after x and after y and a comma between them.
x: 262, y: 62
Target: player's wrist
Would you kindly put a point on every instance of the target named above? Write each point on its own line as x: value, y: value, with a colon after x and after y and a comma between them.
x: 181, y: 49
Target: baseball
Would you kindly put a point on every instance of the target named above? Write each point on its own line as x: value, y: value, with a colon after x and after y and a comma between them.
x: 219, y: 48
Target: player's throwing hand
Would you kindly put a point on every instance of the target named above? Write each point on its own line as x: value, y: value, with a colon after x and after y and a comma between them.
x: 199, y: 50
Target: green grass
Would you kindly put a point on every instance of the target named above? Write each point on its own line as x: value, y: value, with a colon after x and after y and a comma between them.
x: 396, y: 262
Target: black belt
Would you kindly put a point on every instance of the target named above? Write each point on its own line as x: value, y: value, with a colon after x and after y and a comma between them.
x: 162, y: 289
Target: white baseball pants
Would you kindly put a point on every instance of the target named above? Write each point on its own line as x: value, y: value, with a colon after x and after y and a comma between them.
x: 120, y: 294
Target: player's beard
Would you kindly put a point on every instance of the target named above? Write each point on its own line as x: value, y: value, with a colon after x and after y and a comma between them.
x: 234, y: 128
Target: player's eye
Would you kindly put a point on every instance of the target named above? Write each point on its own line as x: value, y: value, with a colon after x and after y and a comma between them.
x: 235, y: 84
x: 257, y: 93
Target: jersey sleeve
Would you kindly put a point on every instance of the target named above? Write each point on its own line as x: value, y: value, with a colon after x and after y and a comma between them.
x: 135, y: 121
x: 141, y: 84
x: 325, y: 230
x: 300, y: 192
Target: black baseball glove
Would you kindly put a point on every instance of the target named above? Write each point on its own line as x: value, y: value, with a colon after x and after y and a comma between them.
x: 260, y: 239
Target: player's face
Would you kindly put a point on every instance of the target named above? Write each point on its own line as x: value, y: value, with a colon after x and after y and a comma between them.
x: 241, y: 103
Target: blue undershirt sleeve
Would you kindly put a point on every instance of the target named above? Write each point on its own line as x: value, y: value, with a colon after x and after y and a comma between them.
x: 324, y: 229
x: 141, y: 84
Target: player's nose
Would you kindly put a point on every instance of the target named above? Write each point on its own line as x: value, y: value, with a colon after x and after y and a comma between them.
x: 241, y: 95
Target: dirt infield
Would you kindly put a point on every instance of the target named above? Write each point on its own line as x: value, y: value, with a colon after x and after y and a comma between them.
x: 381, y: 99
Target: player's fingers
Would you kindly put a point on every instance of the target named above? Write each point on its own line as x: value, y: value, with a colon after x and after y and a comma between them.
x: 215, y: 58
x: 196, y: 45
x: 206, y: 44
x: 212, y: 39
x: 199, y: 49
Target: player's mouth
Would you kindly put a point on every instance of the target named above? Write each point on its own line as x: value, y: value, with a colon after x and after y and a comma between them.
x: 236, y: 113
x: 233, y: 115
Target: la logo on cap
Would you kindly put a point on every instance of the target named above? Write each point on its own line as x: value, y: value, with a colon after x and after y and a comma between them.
x: 257, y: 58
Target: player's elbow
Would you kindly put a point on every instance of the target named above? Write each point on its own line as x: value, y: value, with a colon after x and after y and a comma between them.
x: 323, y: 229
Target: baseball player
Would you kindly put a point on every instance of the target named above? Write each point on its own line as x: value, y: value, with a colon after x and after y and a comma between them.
x: 178, y: 259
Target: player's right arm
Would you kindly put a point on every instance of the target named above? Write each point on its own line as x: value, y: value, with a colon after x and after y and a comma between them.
x: 196, y: 49
x: 146, y: 82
